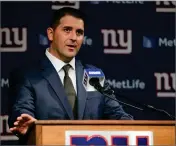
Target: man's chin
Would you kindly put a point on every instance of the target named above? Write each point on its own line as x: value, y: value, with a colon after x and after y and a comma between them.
x: 71, y: 54
x: 68, y: 58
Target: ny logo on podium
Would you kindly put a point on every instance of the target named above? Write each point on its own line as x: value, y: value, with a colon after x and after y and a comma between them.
x: 105, y: 138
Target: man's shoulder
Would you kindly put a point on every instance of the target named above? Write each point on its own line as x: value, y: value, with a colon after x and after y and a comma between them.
x: 87, y: 66
x: 91, y: 66
x: 27, y: 70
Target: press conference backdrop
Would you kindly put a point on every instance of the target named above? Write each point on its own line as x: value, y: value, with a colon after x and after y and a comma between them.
x: 132, y: 41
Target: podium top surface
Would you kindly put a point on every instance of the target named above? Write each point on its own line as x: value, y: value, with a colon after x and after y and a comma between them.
x: 105, y: 122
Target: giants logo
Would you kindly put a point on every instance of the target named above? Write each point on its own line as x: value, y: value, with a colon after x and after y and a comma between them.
x: 109, y: 138
x: 10, y: 40
x: 60, y: 4
x: 166, y: 6
x: 4, y: 129
x: 117, y: 41
x: 165, y: 84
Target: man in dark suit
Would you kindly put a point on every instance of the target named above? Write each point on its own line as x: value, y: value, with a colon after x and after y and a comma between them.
x: 52, y: 88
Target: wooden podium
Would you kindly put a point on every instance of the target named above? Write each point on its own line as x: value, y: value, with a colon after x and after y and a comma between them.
x: 52, y: 132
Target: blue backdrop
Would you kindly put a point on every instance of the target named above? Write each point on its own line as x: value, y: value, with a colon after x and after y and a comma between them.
x: 132, y: 41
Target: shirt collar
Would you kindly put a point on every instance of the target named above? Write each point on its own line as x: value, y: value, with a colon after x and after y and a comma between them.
x: 57, y: 63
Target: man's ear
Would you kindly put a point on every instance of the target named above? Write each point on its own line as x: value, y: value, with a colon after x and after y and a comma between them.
x: 50, y: 33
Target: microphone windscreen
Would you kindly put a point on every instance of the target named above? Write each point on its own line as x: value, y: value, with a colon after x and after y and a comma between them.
x: 94, y: 75
x: 93, y: 81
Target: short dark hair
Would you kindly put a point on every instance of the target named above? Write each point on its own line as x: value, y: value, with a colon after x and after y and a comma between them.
x: 58, y: 14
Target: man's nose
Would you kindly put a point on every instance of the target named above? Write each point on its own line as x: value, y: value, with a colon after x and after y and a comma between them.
x: 73, y: 36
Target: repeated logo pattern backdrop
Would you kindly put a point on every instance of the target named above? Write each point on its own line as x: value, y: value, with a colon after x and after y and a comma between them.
x: 133, y: 42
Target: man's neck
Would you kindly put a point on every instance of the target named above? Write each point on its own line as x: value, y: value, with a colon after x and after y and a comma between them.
x: 62, y: 58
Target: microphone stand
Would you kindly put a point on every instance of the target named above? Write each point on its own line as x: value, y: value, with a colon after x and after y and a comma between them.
x: 150, y: 107
x: 112, y: 95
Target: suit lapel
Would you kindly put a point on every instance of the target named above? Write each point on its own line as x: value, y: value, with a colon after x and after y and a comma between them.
x: 81, y: 92
x: 51, y: 75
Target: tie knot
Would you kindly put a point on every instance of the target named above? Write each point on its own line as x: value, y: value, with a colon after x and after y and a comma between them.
x: 66, y: 68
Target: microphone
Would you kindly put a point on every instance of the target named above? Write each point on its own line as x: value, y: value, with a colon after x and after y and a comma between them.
x: 94, y: 79
x: 93, y: 74
x: 110, y: 94
x: 95, y: 83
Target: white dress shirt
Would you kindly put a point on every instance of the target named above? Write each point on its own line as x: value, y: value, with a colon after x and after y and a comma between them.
x: 58, y: 64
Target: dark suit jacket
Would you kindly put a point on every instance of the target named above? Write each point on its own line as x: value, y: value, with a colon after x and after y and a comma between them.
x: 38, y: 91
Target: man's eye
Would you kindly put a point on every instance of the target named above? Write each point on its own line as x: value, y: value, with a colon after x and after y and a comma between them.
x: 79, y: 33
x: 66, y: 29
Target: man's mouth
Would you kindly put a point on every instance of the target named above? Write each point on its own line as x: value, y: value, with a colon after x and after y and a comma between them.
x: 72, y: 46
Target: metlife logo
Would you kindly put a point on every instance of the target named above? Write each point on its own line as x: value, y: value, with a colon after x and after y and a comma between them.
x: 60, y: 4
x: 166, y: 6
x: 4, y: 82
x: 127, y: 84
x: 87, y: 41
x: 161, y: 42
x: 118, y: 2
x: 43, y: 40
x: 165, y: 84
x: 13, y: 39
x: 117, y: 41
x: 149, y: 42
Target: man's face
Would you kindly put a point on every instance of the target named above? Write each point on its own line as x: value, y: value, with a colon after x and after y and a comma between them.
x: 67, y: 38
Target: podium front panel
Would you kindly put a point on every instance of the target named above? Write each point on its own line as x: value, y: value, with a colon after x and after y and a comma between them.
x: 52, y: 134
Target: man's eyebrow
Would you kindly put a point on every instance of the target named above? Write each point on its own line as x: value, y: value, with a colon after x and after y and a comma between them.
x: 70, y: 27
x: 81, y: 30
x: 67, y: 27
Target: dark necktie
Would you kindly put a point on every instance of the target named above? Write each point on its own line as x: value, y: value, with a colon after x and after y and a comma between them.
x: 70, y: 91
